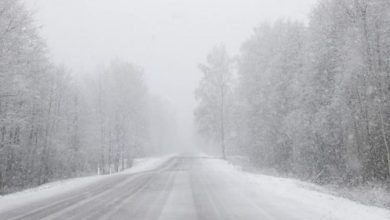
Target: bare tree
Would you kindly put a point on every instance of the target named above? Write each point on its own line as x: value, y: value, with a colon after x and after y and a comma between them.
x: 212, y: 94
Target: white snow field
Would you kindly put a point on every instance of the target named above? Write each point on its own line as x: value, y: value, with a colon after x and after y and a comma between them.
x: 181, y: 187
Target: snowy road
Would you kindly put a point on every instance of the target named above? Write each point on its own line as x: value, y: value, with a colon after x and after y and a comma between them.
x: 184, y: 188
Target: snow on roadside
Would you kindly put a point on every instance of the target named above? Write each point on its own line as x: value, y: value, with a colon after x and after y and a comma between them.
x: 306, y: 199
x: 59, y: 187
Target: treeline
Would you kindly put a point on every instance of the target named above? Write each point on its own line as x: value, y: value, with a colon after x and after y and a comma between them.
x: 309, y: 99
x: 53, y: 126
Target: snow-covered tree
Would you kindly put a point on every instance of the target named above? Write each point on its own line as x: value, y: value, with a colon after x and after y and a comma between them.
x: 212, y: 94
x: 53, y: 126
x: 315, y: 98
x: 270, y: 63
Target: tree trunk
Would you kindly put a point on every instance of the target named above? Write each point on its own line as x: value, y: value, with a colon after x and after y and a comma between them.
x: 223, y: 120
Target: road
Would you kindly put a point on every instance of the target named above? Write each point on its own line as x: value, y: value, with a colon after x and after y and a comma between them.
x: 183, y: 188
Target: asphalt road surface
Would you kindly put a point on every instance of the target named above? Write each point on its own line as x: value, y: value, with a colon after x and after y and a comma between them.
x: 183, y: 188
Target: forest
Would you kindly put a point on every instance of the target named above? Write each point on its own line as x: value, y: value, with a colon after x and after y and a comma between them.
x: 310, y: 100
x: 196, y: 109
x: 54, y: 125
x: 304, y: 99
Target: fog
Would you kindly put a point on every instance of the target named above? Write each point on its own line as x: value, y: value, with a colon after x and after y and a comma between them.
x: 195, y: 109
x: 166, y: 38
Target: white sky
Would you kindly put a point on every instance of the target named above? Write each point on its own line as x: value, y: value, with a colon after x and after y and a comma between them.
x: 168, y: 38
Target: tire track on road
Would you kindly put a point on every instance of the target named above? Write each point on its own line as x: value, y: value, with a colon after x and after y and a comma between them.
x: 43, y: 209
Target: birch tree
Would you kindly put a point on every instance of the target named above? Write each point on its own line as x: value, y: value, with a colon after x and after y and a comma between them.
x: 212, y: 95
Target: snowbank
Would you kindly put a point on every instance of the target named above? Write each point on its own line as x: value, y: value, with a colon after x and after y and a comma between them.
x: 60, y: 187
x: 375, y: 194
x: 304, y: 200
